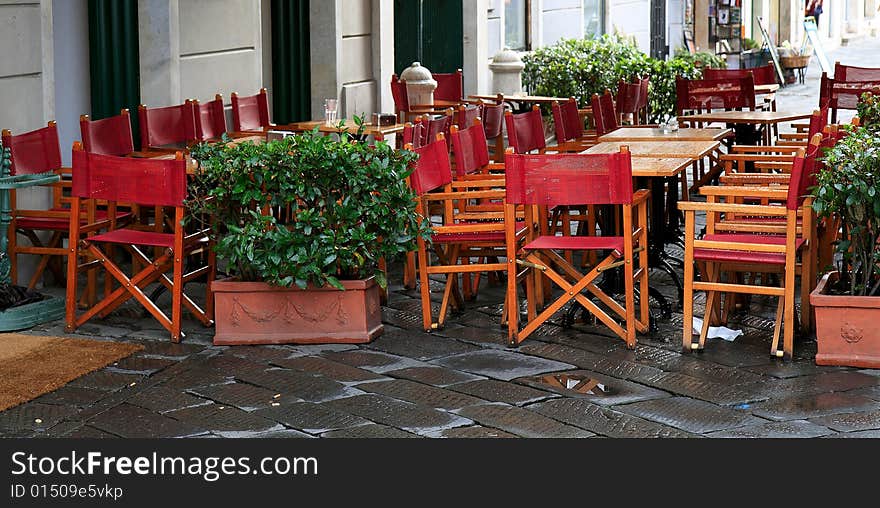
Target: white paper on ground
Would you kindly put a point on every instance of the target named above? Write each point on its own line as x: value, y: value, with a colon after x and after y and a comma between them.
x: 716, y: 332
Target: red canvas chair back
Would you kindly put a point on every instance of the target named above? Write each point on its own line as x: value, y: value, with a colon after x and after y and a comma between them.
x: 628, y: 98
x: 151, y: 182
x: 569, y: 179
x: 604, y: 114
x: 853, y: 73
x: 210, y: 119
x: 466, y: 115
x: 842, y: 94
x: 644, y: 84
x: 765, y: 75
x: 802, y: 174
x: 713, y: 94
x: 492, y: 116
x: 433, y: 169
x: 166, y: 126
x: 450, y: 86
x: 567, y: 121
x: 34, y: 152
x: 525, y: 131
x: 250, y: 113
x: 818, y: 121
x: 470, y: 149
x: 108, y: 136
x: 438, y: 125
x: 398, y: 92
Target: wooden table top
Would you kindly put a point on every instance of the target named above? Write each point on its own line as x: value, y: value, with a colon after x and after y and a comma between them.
x: 750, y: 117
x: 520, y: 98
x: 350, y: 127
x: 659, y: 166
x: 691, y: 150
x: 765, y: 89
x: 656, y: 134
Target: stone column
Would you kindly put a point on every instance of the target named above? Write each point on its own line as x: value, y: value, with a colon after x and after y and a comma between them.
x: 325, y: 39
x: 159, y: 52
x: 701, y: 27
x: 475, y: 16
x: 383, y: 52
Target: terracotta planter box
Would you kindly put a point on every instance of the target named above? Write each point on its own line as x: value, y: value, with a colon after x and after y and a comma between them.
x: 847, y: 330
x: 257, y: 313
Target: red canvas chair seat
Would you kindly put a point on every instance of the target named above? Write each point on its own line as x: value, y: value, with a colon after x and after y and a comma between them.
x: 62, y: 223
x: 612, y: 243
x: 131, y: 237
x: 473, y: 236
x: 745, y: 257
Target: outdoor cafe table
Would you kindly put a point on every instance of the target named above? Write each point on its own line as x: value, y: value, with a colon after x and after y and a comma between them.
x: 657, y: 134
x: 377, y: 131
x: 661, y: 162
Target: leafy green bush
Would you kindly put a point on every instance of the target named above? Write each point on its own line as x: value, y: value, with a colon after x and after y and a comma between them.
x: 701, y: 59
x: 581, y: 67
x: 336, y: 207
x: 868, y: 109
x: 849, y: 188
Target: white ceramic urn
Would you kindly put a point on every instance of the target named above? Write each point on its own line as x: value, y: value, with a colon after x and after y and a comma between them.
x: 420, y: 84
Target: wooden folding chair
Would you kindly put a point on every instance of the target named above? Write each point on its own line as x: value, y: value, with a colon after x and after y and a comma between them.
x: 579, y: 179
x: 250, y: 114
x: 570, y: 134
x: 453, y: 239
x: 108, y: 136
x: 209, y: 118
x: 525, y: 131
x: 761, y: 249
x: 147, y: 182
x: 170, y: 125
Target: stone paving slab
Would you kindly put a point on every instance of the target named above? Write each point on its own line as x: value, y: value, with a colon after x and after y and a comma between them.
x: 140, y: 365
x: 434, y: 376
x: 475, y: 432
x: 306, y: 386
x: 690, y: 415
x: 310, y: 417
x: 33, y: 416
x: 504, y: 365
x: 244, y: 396
x: 72, y: 395
x: 371, y: 431
x: 328, y: 368
x: 417, y: 393
x: 783, y: 370
x: 596, y: 362
x: 709, y: 391
x: 224, y: 420
x: 126, y: 420
x: 483, y: 337
x: 604, y: 421
x: 281, y: 434
x: 419, y: 346
x: 260, y: 354
x: 499, y: 391
x: 612, y: 391
x: 373, y: 361
x: 850, y: 422
x: 397, y: 413
x: 801, y: 407
x: 89, y: 432
x: 163, y: 399
x: 775, y: 430
x: 826, y: 382
x: 168, y: 349
x: 863, y: 434
x: 872, y: 392
x: 521, y: 422
x: 106, y: 380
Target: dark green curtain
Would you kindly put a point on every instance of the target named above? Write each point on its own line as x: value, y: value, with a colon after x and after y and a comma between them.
x: 291, y: 78
x: 430, y: 32
x: 113, y: 59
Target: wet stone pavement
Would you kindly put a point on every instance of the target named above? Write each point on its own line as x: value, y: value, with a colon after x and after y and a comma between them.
x: 463, y: 381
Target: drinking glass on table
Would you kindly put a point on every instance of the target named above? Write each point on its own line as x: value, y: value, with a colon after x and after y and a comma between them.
x: 330, y: 111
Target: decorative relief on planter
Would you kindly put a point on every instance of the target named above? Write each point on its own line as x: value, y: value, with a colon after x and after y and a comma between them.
x: 293, y: 313
x: 850, y: 333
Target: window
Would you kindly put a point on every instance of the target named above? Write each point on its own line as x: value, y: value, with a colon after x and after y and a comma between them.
x: 594, y: 17
x: 516, y: 24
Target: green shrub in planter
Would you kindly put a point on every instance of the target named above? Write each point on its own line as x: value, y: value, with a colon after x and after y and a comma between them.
x: 581, y: 67
x: 337, y: 207
x: 849, y: 188
x: 868, y: 109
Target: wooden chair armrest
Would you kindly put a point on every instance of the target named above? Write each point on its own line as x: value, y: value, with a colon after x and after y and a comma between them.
x: 641, y: 196
x: 747, y: 179
x: 696, y: 206
x: 479, y: 180
x: 744, y: 191
x: 485, y: 194
x: 769, y: 149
